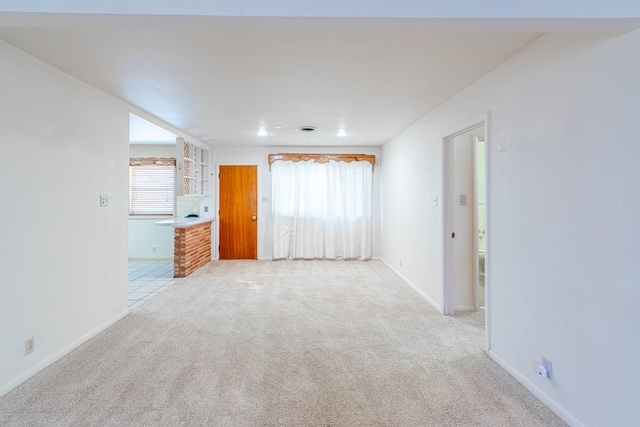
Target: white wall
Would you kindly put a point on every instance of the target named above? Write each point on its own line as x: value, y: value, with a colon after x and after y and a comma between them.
x: 564, y: 224
x: 152, y: 150
x: 63, y: 263
x: 143, y: 233
x: 258, y: 156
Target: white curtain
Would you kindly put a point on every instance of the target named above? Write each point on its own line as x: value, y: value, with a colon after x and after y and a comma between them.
x: 321, y: 210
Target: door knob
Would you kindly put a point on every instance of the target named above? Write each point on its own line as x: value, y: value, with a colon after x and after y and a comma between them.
x: 253, y: 218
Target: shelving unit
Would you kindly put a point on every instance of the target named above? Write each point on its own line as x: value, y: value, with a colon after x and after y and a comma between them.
x: 195, y: 170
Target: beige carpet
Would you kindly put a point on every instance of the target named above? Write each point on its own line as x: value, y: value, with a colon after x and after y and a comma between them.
x: 284, y: 343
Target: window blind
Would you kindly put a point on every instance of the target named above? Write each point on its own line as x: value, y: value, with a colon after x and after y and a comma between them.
x: 152, y: 189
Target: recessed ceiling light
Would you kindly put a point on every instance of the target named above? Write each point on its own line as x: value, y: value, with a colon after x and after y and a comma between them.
x: 262, y: 131
x: 307, y: 128
x: 342, y: 132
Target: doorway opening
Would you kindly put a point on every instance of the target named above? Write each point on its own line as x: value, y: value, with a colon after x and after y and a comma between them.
x: 465, y: 219
x: 152, y: 190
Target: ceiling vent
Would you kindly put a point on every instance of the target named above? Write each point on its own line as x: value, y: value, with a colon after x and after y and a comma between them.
x: 307, y: 128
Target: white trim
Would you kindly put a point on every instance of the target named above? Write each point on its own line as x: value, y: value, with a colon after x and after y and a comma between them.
x: 537, y: 392
x: 467, y: 126
x: 13, y: 383
x: 476, y: 221
x: 413, y: 286
x: 487, y: 236
x: 448, y: 272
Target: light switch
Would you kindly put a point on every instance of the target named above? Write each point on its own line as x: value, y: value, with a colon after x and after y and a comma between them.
x: 265, y: 199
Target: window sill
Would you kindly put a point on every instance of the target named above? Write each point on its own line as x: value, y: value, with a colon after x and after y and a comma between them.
x: 148, y: 217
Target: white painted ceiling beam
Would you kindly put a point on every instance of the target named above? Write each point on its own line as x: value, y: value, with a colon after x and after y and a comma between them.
x: 340, y: 8
x: 236, y: 23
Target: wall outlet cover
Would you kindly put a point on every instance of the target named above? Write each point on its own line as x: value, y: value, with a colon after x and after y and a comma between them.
x: 548, y: 366
x: 29, y: 345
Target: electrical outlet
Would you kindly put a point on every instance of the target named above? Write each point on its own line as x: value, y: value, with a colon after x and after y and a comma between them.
x: 29, y: 345
x: 104, y: 200
x: 154, y: 249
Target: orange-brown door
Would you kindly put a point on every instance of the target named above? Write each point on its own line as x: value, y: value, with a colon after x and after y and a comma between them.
x: 238, y: 216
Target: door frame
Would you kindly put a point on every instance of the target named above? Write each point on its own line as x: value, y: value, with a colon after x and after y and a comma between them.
x: 258, y: 203
x: 476, y: 221
x: 448, y: 198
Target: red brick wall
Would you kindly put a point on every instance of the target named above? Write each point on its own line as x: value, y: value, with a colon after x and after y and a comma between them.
x: 191, y: 248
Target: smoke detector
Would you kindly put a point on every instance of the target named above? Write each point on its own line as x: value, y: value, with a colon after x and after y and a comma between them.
x: 307, y: 128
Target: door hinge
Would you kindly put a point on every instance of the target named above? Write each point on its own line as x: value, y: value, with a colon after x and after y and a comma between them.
x: 453, y: 235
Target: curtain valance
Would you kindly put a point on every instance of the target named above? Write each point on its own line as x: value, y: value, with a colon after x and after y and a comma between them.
x: 149, y: 161
x: 322, y: 158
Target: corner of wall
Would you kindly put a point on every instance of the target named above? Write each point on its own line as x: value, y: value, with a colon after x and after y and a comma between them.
x: 413, y: 286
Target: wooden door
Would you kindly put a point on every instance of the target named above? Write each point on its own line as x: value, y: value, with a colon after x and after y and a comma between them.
x: 238, y: 223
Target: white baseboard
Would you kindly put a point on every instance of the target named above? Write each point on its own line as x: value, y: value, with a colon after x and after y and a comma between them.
x: 550, y: 403
x: 13, y: 383
x: 426, y: 297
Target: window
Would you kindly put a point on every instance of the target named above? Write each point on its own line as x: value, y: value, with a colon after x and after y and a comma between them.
x: 321, y: 210
x: 152, y: 186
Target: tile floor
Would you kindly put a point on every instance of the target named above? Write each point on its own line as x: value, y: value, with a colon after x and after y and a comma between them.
x: 147, y: 279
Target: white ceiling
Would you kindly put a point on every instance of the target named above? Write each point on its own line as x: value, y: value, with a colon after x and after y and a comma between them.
x: 142, y: 131
x: 220, y: 79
